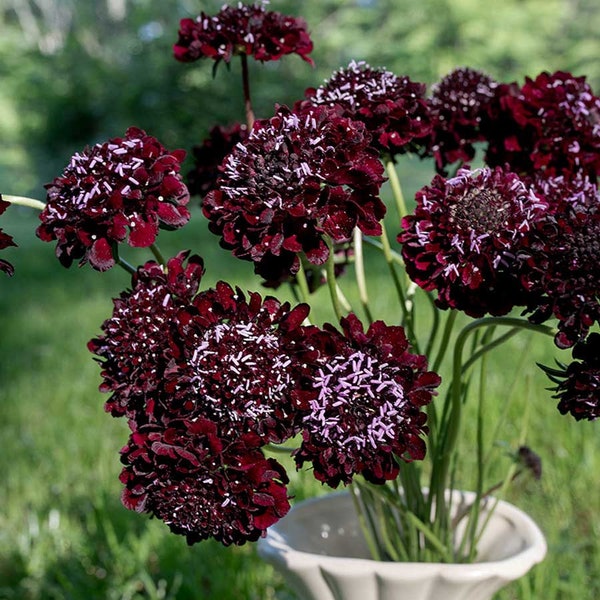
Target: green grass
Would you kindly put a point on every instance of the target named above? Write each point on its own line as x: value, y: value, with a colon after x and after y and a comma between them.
x: 63, y: 531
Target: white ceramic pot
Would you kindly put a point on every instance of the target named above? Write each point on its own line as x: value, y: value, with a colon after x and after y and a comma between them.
x: 321, y: 552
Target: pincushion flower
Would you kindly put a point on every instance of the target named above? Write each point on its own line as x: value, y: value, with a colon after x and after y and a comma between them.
x: 134, y: 345
x: 553, y: 125
x: 367, y: 412
x: 238, y: 363
x: 201, y: 485
x: 457, y: 104
x: 210, y: 154
x: 5, y: 241
x: 121, y: 190
x: 393, y: 108
x: 246, y: 29
x: 298, y: 178
x: 464, y: 238
x: 578, y: 384
x: 563, y: 260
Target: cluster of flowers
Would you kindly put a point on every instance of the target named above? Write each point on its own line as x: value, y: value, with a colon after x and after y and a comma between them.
x: 521, y: 231
x: 208, y: 378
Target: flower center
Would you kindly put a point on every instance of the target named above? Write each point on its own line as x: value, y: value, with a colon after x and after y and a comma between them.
x: 584, y: 248
x: 483, y: 211
x: 359, y: 405
x: 240, y: 371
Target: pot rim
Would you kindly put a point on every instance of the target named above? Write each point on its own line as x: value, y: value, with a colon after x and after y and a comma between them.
x: 275, y: 548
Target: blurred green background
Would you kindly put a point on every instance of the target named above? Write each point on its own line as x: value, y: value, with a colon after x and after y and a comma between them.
x: 73, y: 73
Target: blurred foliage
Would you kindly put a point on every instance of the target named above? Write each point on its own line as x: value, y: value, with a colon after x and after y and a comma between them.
x: 75, y: 73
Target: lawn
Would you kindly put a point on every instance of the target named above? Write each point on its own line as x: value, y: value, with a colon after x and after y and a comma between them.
x: 63, y: 531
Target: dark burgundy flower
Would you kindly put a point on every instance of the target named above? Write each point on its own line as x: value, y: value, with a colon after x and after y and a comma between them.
x: 563, y: 259
x: 135, y: 344
x: 130, y: 183
x: 238, y: 363
x: 366, y: 414
x: 247, y: 29
x: 457, y: 104
x: 5, y: 241
x: 209, y: 156
x: 201, y: 485
x: 464, y: 237
x: 578, y: 384
x: 393, y: 108
x: 297, y: 178
x: 552, y: 124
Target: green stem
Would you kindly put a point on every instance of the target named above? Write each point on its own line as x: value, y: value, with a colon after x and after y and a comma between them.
x: 407, y: 317
x: 302, y: 283
x: 125, y: 265
x: 396, y: 256
x: 247, y: 100
x: 24, y: 201
x: 361, y: 280
x: 450, y: 320
x: 396, y: 188
x: 367, y: 532
x: 331, y: 283
x: 158, y: 255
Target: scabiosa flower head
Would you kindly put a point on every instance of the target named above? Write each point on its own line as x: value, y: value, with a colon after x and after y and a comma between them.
x: 578, y: 384
x: 457, y: 104
x: 5, y: 241
x: 555, y: 127
x: 210, y: 154
x: 464, y: 237
x: 203, y: 486
x: 238, y: 363
x: 393, y: 108
x: 366, y: 413
x: 563, y: 259
x: 135, y: 344
x: 130, y: 183
x: 298, y: 177
x: 247, y: 29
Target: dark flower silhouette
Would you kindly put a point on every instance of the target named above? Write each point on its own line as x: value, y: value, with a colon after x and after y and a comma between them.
x: 297, y: 178
x: 578, y: 384
x: 200, y: 485
x: 121, y: 190
x: 134, y: 345
x: 457, y: 104
x: 552, y: 123
x: 367, y: 410
x: 563, y: 259
x: 393, y: 108
x: 210, y: 154
x: 237, y: 363
x: 245, y: 29
x: 464, y: 238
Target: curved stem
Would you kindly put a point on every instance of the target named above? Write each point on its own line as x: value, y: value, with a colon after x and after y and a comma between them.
x: 125, y: 265
x: 247, y: 100
x: 441, y: 466
x: 396, y: 188
x: 24, y: 201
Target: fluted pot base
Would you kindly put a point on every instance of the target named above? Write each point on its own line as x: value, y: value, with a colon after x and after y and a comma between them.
x: 321, y: 552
